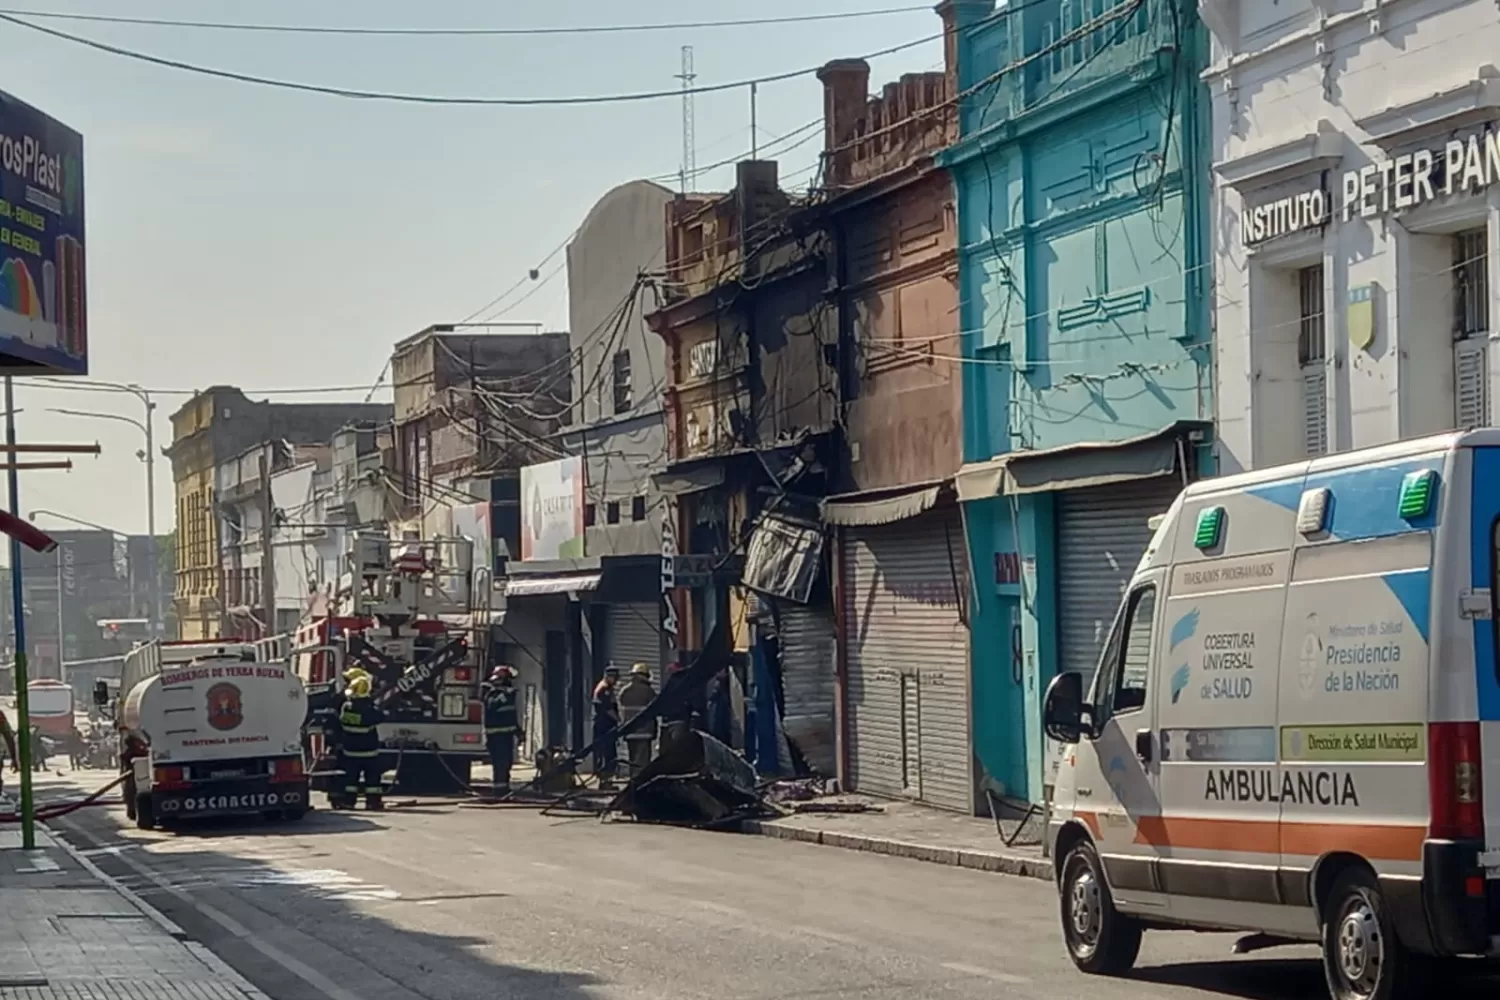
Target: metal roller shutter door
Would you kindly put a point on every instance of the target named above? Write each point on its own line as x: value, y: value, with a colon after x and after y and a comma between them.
x: 1102, y: 532
x: 908, y: 661
x: 634, y: 637
x: 807, y: 682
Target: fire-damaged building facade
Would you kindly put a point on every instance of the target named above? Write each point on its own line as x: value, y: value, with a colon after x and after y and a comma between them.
x: 750, y: 403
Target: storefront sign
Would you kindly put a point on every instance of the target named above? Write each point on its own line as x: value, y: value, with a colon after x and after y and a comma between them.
x: 552, y: 510
x: 1461, y: 166
x: 669, y: 567
x: 1285, y: 216
x: 1414, y: 179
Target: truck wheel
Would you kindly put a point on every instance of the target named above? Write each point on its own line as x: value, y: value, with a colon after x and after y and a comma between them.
x: 1362, y: 957
x: 294, y: 815
x: 1100, y: 939
x: 145, y: 815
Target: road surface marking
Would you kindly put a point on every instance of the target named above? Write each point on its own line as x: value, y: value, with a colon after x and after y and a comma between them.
x: 295, y: 966
x: 975, y: 970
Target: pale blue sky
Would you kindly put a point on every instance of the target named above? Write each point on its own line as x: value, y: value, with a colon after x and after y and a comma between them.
x: 273, y: 239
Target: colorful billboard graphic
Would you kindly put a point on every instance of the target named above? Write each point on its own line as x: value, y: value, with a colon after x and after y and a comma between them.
x: 552, y: 510
x: 43, y: 303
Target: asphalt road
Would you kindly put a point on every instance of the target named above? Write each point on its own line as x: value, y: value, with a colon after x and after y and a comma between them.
x: 449, y: 903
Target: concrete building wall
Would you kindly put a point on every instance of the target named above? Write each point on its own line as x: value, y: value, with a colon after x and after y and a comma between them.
x: 622, y: 236
x: 1332, y: 130
x: 1084, y: 281
x: 218, y: 424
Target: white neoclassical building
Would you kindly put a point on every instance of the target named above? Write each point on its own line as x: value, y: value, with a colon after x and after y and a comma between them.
x: 1357, y: 174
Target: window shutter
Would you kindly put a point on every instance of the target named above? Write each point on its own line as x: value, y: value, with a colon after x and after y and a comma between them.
x: 1315, y: 408
x: 1471, y: 382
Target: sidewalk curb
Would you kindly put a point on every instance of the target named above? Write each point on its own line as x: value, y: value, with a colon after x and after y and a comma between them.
x: 200, y: 951
x: 984, y: 861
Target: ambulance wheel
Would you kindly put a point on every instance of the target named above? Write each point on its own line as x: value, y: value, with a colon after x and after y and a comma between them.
x: 145, y: 814
x: 1100, y: 939
x: 1362, y: 957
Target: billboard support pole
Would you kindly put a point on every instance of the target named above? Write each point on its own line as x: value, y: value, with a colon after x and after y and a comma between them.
x: 18, y: 615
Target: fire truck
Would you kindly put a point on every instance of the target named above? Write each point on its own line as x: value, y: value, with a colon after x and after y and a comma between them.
x: 407, y: 611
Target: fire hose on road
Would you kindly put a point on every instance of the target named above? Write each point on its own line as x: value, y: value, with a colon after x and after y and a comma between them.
x: 57, y: 809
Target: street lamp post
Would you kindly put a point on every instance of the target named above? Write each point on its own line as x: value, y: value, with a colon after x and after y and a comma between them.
x: 149, y: 457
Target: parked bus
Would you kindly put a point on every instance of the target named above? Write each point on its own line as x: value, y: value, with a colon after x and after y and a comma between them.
x: 50, y: 705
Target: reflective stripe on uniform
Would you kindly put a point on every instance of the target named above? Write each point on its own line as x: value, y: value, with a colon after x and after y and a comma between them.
x: 359, y: 729
x: 495, y: 730
x: 362, y: 753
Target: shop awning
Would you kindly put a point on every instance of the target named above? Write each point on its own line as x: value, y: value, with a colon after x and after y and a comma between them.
x: 783, y: 558
x: 676, y: 483
x: 880, y: 507
x: 1075, y: 466
x: 530, y: 586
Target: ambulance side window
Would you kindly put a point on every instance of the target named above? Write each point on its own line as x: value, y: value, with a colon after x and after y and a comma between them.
x: 1134, y: 668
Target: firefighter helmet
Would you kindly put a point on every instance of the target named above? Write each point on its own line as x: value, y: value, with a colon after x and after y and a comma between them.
x: 359, y: 687
x: 641, y: 670
x: 355, y: 671
x: 503, y: 673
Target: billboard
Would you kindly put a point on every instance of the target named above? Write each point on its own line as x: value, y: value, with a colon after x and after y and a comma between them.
x: 43, y: 303
x: 552, y: 510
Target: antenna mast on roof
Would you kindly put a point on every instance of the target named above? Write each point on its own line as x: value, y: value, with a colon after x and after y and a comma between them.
x: 689, y: 158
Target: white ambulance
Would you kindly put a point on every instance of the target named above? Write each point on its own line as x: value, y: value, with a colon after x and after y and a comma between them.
x: 1288, y: 730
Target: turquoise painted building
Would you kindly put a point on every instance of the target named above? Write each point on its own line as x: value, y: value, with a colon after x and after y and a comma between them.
x: 1083, y: 180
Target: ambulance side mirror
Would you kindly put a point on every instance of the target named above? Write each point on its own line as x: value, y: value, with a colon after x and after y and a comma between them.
x: 1062, y: 709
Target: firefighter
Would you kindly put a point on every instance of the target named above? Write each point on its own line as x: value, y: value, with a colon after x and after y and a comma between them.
x: 502, y: 726
x: 359, y: 748
x: 638, y: 693
x: 606, y: 721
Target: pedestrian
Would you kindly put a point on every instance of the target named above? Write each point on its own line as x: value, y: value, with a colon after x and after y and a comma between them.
x: 606, y: 724
x: 637, y: 694
x: 77, y: 750
x: 359, y: 748
x: 502, y: 727
x: 38, y: 750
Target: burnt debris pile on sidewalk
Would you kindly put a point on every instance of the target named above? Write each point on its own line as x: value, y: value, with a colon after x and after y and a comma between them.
x: 695, y: 781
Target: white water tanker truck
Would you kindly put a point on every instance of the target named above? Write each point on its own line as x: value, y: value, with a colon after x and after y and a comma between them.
x: 206, y: 729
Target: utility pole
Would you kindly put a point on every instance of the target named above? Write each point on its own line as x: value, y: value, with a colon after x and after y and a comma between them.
x: 18, y: 604
x: 689, y: 145
x: 267, y: 548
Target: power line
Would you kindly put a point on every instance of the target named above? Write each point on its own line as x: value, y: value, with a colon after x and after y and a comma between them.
x: 590, y: 29
x: 431, y: 99
x: 530, y: 275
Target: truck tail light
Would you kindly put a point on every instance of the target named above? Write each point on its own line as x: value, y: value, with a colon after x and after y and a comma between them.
x: 462, y: 675
x: 168, y: 777
x: 286, y: 769
x: 1455, y: 781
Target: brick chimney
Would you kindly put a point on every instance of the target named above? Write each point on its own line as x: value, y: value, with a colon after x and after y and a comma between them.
x: 846, y: 86
x: 957, y: 15
x: 758, y: 192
